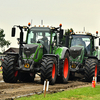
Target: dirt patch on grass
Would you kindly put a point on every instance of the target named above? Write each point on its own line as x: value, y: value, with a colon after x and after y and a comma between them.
x: 15, y: 90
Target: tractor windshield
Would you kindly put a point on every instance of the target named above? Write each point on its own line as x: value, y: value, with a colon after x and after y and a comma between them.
x: 81, y: 40
x: 42, y: 37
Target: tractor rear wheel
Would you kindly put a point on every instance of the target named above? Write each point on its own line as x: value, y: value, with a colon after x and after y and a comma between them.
x: 64, y: 69
x: 10, y: 75
x: 91, y: 69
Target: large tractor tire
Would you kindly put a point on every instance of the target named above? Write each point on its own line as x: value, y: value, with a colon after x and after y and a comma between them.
x: 43, y: 69
x: 64, y: 69
x: 49, y: 70
x: 26, y: 77
x: 91, y: 69
x: 10, y: 75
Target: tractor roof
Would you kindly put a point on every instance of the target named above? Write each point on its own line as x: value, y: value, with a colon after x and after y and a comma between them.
x: 85, y: 34
x: 81, y: 33
x: 40, y: 28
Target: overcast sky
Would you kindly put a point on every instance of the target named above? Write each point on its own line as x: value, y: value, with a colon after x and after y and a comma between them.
x: 74, y: 14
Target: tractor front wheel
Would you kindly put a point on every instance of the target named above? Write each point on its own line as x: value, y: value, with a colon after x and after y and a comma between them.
x: 91, y: 69
x: 51, y: 70
x: 43, y: 69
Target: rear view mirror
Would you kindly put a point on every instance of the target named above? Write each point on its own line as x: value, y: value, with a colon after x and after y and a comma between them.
x: 61, y: 34
x: 13, y: 32
x: 99, y: 41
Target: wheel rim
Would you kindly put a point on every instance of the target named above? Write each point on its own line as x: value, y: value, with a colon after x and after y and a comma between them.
x: 16, y: 73
x: 53, y: 71
x: 65, y: 71
x: 96, y: 71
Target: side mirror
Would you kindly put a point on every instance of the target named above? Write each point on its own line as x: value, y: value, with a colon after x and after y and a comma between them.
x: 61, y: 34
x: 13, y: 32
x: 99, y: 41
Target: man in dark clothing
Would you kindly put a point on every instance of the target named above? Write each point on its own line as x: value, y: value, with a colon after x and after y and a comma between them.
x: 45, y: 42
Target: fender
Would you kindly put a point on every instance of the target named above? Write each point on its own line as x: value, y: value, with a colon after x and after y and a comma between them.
x: 16, y: 55
x: 94, y: 57
x: 12, y: 53
x: 61, y: 52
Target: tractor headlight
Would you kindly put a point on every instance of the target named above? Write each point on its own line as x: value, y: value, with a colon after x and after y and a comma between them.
x: 32, y: 56
x: 73, y: 65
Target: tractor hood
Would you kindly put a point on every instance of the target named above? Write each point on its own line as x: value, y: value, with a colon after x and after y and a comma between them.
x: 33, y: 51
x: 29, y: 49
x: 75, y: 51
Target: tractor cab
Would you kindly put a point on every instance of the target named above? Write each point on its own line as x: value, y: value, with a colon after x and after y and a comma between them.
x: 39, y: 35
x: 49, y: 38
x: 83, y: 41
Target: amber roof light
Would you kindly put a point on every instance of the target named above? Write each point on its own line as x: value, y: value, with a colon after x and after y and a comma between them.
x: 96, y: 32
x: 70, y: 30
x: 29, y: 24
x: 60, y: 25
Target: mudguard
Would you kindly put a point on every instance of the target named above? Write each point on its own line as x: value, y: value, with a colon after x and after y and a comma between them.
x: 12, y: 54
x: 61, y: 52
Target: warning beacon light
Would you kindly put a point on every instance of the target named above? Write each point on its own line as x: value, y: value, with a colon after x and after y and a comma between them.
x: 96, y: 33
x: 60, y: 25
x: 29, y: 24
x: 70, y: 31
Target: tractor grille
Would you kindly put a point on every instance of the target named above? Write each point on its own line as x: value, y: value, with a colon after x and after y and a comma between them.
x: 29, y: 49
x: 75, y: 51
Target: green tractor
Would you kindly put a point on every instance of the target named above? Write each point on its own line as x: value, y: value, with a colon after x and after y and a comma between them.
x: 84, y: 55
x: 40, y: 54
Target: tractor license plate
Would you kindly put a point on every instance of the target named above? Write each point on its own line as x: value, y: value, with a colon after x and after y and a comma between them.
x: 26, y: 65
x: 73, y: 65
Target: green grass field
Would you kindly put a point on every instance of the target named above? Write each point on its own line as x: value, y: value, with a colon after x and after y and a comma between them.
x: 86, y: 93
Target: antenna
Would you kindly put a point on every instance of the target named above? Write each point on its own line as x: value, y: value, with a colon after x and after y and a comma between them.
x: 31, y: 22
x: 83, y: 28
x: 41, y: 22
